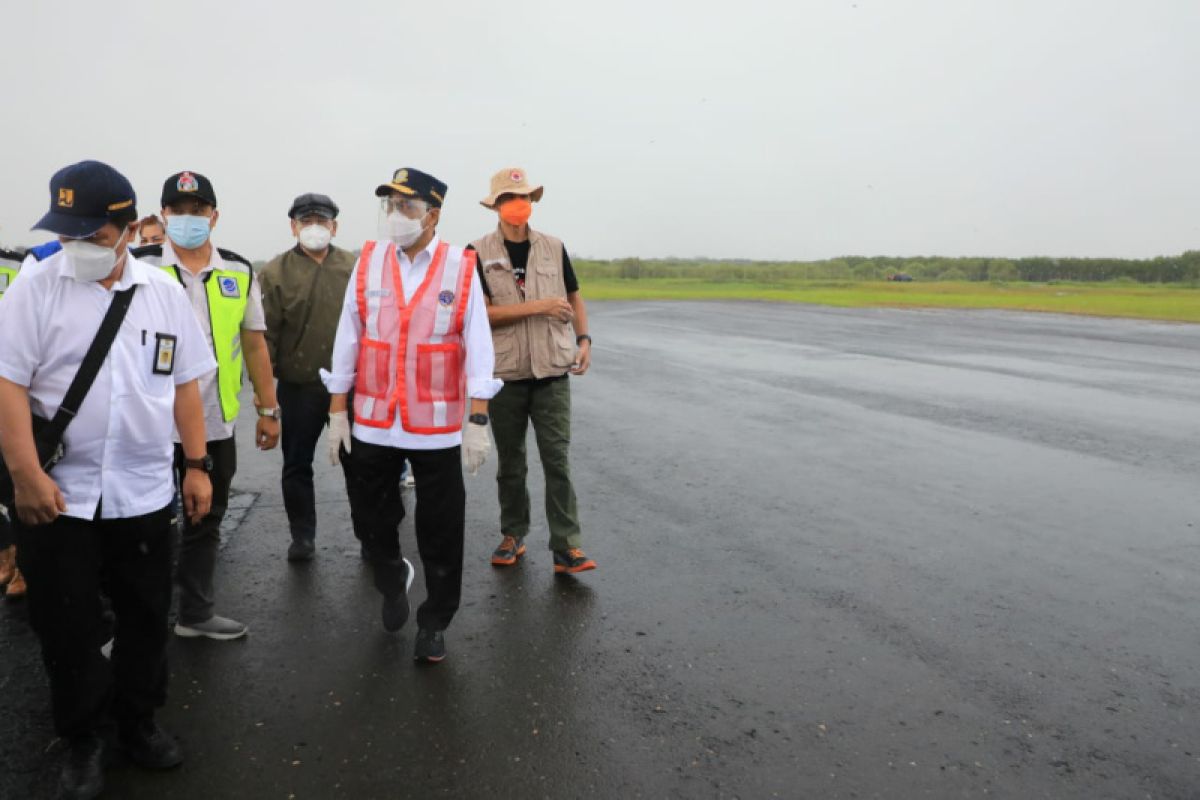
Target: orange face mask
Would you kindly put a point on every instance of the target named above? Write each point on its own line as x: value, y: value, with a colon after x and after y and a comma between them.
x: 516, y: 211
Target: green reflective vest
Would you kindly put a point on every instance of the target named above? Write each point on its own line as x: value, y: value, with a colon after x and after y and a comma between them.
x: 10, y: 265
x: 228, y: 291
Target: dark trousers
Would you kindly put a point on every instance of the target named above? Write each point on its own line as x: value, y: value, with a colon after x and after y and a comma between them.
x: 547, y: 404
x: 305, y: 413
x: 200, y: 542
x: 375, y: 499
x: 64, y: 564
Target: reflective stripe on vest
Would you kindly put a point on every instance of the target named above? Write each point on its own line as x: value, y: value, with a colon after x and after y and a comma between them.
x: 227, y: 292
x: 411, y: 355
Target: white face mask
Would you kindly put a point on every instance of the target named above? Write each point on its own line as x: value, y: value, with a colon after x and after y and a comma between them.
x: 314, y: 238
x: 93, y: 262
x: 401, y: 229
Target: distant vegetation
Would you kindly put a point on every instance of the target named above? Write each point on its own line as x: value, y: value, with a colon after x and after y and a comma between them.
x: 1183, y: 269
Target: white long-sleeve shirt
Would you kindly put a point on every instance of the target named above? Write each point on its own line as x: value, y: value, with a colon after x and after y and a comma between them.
x: 477, y: 337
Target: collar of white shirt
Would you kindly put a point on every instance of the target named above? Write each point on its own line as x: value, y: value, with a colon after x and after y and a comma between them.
x: 425, y: 256
x: 169, y: 257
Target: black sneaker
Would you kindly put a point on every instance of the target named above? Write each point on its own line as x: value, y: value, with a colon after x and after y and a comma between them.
x: 429, y: 647
x: 149, y: 746
x: 301, y: 550
x: 82, y: 775
x: 395, y: 607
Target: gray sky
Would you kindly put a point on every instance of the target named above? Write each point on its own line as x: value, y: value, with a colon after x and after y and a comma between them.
x: 773, y: 130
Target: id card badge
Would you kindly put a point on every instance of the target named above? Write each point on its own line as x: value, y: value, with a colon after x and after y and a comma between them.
x: 164, y: 353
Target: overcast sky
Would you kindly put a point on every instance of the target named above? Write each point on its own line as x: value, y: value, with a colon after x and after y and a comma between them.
x: 774, y: 130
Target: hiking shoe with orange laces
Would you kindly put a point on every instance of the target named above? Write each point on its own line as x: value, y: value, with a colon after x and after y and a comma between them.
x: 573, y: 560
x: 511, y: 548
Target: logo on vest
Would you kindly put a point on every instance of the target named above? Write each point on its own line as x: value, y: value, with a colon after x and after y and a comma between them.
x: 187, y: 183
x: 446, y: 298
x: 229, y: 288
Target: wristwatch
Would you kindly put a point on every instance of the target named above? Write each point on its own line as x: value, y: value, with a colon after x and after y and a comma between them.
x: 204, y: 464
x: 269, y: 413
x: 579, y: 339
x: 478, y: 419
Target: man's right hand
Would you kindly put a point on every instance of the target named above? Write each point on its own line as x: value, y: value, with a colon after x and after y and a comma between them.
x: 38, y: 499
x: 339, y: 435
x: 557, y: 307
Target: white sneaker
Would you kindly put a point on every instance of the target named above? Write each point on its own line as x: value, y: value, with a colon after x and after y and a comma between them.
x: 214, y: 627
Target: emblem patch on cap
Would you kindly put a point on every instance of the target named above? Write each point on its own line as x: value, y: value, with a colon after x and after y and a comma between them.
x: 446, y: 297
x: 187, y: 183
x: 516, y: 176
x: 229, y: 288
x: 66, y: 198
x: 401, y: 176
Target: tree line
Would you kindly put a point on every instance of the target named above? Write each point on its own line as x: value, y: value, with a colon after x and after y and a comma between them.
x: 1183, y: 268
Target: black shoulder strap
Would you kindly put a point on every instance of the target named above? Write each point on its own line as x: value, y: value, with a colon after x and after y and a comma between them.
x: 92, y: 362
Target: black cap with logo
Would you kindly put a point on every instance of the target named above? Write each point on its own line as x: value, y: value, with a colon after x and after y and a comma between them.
x: 188, y: 186
x: 82, y: 198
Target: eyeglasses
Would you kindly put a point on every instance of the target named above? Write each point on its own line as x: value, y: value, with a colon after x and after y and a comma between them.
x: 408, y: 206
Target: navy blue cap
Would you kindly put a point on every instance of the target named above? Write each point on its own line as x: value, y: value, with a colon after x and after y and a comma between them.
x: 414, y: 183
x: 313, y: 203
x: 82, y: 198
x: 188, y: 185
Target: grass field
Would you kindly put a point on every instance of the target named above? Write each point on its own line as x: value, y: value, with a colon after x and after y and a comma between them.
x: 1140, y: 301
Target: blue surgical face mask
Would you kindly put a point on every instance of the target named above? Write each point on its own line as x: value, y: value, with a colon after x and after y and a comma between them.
x: 187, y: 231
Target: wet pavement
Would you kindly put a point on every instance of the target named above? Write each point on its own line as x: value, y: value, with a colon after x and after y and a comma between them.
x: 843, y: 554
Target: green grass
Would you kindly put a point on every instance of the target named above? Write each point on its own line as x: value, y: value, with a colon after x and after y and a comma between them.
x: 1140, y: 301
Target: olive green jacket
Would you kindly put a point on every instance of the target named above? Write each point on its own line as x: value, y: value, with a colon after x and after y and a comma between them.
x: 303, y: 302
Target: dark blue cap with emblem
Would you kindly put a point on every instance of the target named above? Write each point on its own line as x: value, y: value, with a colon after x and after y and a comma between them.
x: 414, y: 183
x: 82, y: 198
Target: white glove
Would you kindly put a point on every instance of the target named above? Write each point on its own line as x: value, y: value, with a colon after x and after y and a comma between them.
x: 477, y: 443
x: 339, y: 436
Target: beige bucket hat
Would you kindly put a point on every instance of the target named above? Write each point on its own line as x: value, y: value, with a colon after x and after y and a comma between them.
x: 510, y: 180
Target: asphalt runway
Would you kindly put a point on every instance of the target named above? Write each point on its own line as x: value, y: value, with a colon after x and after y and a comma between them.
x: 843, y: 554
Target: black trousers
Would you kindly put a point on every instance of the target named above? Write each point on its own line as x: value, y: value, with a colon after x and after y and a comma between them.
x: 305, y: 413
x: 64, y: 564
x: 200, y: 542
x: 375, y: 499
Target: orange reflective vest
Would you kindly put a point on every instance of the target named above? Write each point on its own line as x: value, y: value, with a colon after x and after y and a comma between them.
x: 411, y: 354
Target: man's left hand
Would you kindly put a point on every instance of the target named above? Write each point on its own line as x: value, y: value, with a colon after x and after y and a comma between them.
x: 584, y: 360
x: 475, y: 446
x: 266, y: 433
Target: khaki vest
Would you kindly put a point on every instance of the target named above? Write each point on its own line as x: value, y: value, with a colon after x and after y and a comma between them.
x: 539, y: 346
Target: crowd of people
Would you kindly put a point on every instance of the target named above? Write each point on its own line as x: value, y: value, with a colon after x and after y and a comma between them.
x: 121, y: 377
